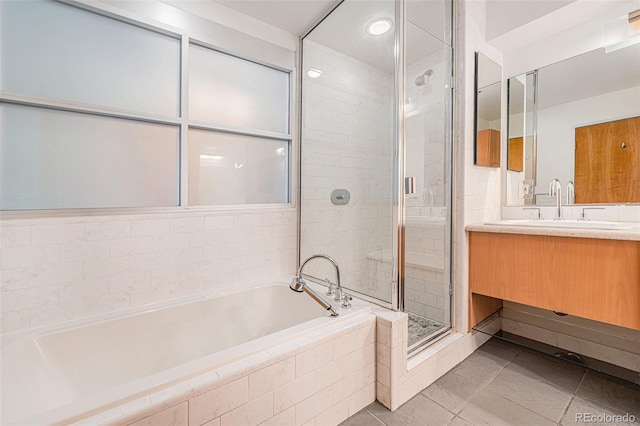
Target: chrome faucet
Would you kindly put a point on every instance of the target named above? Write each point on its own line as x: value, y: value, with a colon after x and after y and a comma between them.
x: 299, y: 285
x: 571, y: 194
x: 555, y: 190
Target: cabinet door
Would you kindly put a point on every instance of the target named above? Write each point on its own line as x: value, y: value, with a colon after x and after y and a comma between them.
x: 596, y: 279
x: 488, y: 148
x: 607, y: 162
x: 515, y: 157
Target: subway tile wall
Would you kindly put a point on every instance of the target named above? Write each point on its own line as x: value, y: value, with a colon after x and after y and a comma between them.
x: 58, y: 269
x: 347, y: 143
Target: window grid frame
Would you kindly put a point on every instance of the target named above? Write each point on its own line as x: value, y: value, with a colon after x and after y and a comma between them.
x: 182, y: 121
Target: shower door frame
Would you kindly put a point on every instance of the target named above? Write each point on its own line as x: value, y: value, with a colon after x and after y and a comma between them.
x: 398, y: 174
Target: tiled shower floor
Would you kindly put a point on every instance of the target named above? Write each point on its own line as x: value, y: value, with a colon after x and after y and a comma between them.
x: 420, y: 327
x: 505, y: 384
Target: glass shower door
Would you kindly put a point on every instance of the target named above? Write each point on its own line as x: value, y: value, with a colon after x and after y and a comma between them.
x: 347, y: 149
x: 427, y: 232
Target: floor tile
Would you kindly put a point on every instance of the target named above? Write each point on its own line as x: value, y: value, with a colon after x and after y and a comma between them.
x: 613, y: 393
x: 500, y: 351
x: 494, y: 410
x: 418, y: 411
x: 540, y: 397
x: 453, y: 391
x: 481, y: 367
x: 547, y: 369
x: 579, y: 408
x: 458, y: 421
x: 362, y: 418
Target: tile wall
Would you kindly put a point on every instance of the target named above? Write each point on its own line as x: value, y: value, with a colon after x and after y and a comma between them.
x: 347, y: 143
x: 58, y: 269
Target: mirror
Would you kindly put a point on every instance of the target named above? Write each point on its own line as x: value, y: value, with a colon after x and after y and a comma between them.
x: 488, y: 90
x: 580, y: 123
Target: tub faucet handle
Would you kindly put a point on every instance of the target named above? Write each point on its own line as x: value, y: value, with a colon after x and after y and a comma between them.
x: 346, y: 301
x: 329, y: 286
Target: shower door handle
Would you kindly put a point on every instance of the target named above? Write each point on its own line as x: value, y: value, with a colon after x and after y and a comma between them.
x: 409, y: 185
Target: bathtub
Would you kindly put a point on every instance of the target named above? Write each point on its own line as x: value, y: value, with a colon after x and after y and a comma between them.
x: 117, y: 368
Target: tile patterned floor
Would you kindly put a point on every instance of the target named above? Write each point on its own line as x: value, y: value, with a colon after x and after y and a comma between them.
x: 504, y: 384
x: 420, y: 327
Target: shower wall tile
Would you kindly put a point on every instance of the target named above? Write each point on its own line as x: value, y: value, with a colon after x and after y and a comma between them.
x: 63, y: 268
x: 347, y: 139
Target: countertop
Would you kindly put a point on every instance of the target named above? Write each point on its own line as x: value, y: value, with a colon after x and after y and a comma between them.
x: 632, y: 234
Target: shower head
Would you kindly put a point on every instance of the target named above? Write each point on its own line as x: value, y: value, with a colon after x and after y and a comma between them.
x: 423, y: 78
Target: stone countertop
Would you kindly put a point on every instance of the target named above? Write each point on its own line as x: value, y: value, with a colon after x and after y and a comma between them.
x: 632, y: 234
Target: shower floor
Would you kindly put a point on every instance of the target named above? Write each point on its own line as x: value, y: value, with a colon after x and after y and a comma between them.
x: 420, y: 328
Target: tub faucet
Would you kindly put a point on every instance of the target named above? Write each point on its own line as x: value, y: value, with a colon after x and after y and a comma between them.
x: 555, y: 190
x: 299, y: 285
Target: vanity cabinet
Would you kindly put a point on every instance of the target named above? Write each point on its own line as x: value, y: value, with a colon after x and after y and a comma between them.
x: 592, y: 278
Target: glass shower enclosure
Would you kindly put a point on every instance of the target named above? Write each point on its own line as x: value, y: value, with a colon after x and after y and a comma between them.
x: 375, y: 156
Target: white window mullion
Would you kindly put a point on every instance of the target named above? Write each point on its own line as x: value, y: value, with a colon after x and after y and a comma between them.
x: 184, y: 120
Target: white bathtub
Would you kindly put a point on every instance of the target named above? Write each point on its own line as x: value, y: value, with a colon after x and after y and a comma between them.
x: 70, y: 374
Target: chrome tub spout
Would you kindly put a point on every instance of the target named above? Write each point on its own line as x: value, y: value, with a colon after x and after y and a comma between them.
x: 299, y: 285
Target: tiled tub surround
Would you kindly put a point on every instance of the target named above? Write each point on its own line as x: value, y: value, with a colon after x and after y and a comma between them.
x: 262, y: 355
x: 63, y: 268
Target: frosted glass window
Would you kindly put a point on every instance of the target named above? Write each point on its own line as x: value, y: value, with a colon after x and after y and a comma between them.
x: 234, y: 169
x: 232, y: 91
x: 56, y: 51
x: 53, y: 159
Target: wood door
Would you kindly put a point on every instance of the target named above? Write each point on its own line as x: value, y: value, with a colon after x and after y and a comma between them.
x: 607, y: 162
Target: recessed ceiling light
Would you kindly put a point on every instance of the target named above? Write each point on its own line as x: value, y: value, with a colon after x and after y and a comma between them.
x: 314, y: 73
x: 379, y: 26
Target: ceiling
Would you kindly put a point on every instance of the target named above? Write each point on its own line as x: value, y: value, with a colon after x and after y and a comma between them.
x: 293, y: 16
x: 344, y: 29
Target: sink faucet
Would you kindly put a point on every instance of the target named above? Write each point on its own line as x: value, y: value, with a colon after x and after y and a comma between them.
x: 299, y: 285
x: 571, y: 194
x: 555, y: 190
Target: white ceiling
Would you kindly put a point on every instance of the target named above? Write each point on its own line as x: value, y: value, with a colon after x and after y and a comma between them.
x: 504, y: 16
x: 293, y: 16
x: 344, y: 30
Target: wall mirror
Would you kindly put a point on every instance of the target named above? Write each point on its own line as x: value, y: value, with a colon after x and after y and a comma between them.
x: 488, y: 87
x: 579, y: 122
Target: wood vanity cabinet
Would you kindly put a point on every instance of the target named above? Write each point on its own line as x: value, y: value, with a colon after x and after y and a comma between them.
x: 598, y: 279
